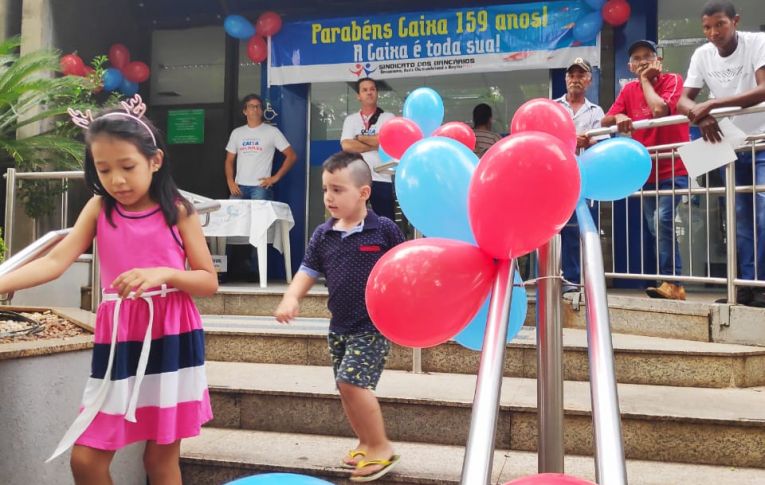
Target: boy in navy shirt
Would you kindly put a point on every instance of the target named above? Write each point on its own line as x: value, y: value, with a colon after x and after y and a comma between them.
x: 345, y: 249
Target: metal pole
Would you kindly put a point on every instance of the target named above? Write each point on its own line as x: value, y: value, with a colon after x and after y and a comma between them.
x: 549, y: 359
x: 479, y: 452
x: 730, y: 229
x: 95, y: 277
x: 606, y: 421
x: 10, y: 207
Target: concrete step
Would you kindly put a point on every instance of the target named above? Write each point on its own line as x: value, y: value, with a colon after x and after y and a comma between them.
x: 639, y: 359
x: 220, y: 455
x: 724, y: 427
x: 631, y: 312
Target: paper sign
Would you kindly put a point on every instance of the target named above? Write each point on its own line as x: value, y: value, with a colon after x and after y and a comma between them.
x: 701, y: 156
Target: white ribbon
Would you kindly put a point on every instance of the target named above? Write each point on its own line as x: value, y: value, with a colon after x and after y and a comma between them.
x: 93, y: 406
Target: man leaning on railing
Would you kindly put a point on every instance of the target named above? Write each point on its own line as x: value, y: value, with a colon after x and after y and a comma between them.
x: 652, y: 95
x: 732, y: 65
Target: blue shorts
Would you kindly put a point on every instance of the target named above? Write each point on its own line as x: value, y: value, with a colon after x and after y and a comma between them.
x: 359, y: 358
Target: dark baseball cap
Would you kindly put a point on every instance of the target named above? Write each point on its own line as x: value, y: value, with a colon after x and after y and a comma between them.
x: 643, y: 43
x: 580, y: 63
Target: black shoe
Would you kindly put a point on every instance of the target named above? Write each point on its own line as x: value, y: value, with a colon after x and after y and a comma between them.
x: 744, y: 296
x: 758, y: 298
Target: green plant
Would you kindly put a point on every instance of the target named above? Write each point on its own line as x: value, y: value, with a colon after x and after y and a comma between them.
x: 30, y: 93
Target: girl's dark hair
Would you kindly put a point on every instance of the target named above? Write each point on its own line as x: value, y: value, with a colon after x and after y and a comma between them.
x: 162, y: 189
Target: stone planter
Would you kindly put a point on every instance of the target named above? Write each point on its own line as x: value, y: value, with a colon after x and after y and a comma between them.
x: 41, y: 384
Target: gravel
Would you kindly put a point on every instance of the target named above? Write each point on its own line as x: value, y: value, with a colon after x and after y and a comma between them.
x: 53, y: 327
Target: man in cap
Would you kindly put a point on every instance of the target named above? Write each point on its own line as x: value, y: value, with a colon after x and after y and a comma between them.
x: 652, y: 95
x: 586, y: 116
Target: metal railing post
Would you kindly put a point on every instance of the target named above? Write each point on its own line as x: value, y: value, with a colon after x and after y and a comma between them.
x: 606, y: 420
x: 549, y: 359
x: 479, y: 451
x: 10, y: 208
x: 730, y: 230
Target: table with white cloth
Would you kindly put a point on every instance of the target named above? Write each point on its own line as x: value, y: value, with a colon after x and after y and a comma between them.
x: 255, y: 222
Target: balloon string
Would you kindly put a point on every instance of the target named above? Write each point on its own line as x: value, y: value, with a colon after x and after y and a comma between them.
x: 533, y: 282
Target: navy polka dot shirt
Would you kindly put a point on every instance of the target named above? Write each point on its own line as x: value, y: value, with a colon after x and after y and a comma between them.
x: 346, y: 258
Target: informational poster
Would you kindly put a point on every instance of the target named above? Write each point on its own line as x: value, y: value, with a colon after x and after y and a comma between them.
x: 457, y: 41
x: 186, y: 126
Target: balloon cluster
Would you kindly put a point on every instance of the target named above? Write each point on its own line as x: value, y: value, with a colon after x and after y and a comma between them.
x: 267, y: 25
x: 612, y: 12
x: 549, y: 479
x: 124, y: 75
x: 520, y: 194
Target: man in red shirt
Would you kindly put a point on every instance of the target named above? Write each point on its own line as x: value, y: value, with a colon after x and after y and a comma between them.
x: 652, y: 95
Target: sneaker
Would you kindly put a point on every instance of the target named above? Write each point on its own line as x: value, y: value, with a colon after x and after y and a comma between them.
x: 668, y: 291
x: 569, y: 288
x: 744, y: 296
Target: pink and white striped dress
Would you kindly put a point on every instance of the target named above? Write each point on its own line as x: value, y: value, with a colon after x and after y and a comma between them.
x: 147, y: 377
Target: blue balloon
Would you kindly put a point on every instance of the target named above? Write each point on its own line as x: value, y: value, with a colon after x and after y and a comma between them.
x: 588, y: 26
x: 472, y: 335
x: 128, y: 88
x: 425, y: 107
x: 432, y: 181
x: 595, y: 4
x: 279, y: 479
x: 614, y: 168
x: 112, y: 79
x: 238, y: 27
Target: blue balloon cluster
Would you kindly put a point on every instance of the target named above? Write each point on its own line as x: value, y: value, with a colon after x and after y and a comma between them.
x: 113, y: 80
x: 472, y: 335
x: 425, y: 107
x: 587, y: 27
x: 238, y: 27
x: 279, y: 479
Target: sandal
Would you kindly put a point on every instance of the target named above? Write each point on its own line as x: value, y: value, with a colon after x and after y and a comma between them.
x: 387, y: 465
x: 352, y: 454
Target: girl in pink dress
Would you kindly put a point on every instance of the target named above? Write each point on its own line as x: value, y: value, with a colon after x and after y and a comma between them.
x: 147, y: 379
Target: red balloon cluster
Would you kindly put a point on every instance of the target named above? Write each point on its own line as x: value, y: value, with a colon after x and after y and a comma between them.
x: 268, y: 24
x: 549, y: 479
x: 616, y: 12
x: 134, y: 71
x: 72, y: 65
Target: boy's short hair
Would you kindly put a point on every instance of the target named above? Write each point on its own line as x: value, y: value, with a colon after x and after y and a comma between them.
x: 719, y: 6
x: 358, y: 168
x: 481, y: 114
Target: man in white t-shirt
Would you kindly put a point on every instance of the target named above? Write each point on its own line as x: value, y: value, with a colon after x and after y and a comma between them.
x: 360, y: 131
x: 253, y: 146
x: 732, y: 65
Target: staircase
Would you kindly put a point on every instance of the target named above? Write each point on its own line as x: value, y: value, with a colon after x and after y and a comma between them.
x: 693, y: 411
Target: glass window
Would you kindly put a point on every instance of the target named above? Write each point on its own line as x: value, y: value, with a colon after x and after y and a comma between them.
x: 250, y: 74
x: 188, y: 66
x: 504, y: 92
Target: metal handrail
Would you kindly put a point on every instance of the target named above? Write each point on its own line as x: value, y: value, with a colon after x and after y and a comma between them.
x: 606, y: 420
x: 202, y: 205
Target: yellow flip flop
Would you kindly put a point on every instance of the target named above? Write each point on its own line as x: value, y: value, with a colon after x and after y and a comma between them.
x: 387, y: 465
x: 351, y: 455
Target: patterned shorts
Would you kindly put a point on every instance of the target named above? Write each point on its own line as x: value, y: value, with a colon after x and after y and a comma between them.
x: 358, y: 359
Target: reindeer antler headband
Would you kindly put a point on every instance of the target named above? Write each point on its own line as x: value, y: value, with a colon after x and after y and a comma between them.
x: 134, y: 109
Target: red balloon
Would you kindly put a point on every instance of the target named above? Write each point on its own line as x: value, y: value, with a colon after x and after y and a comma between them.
x: 136, y: 72
x: 119, y: 56
x: 458, y: 131
x: 542, y: 114
x: 72, y: 65
x: 257, y: 49
x: 523, y: 191
x: 397, y: 135
x: 549, y: 479
x: 268, y: 24
x: 616, y: 12
x: 425, y: 291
